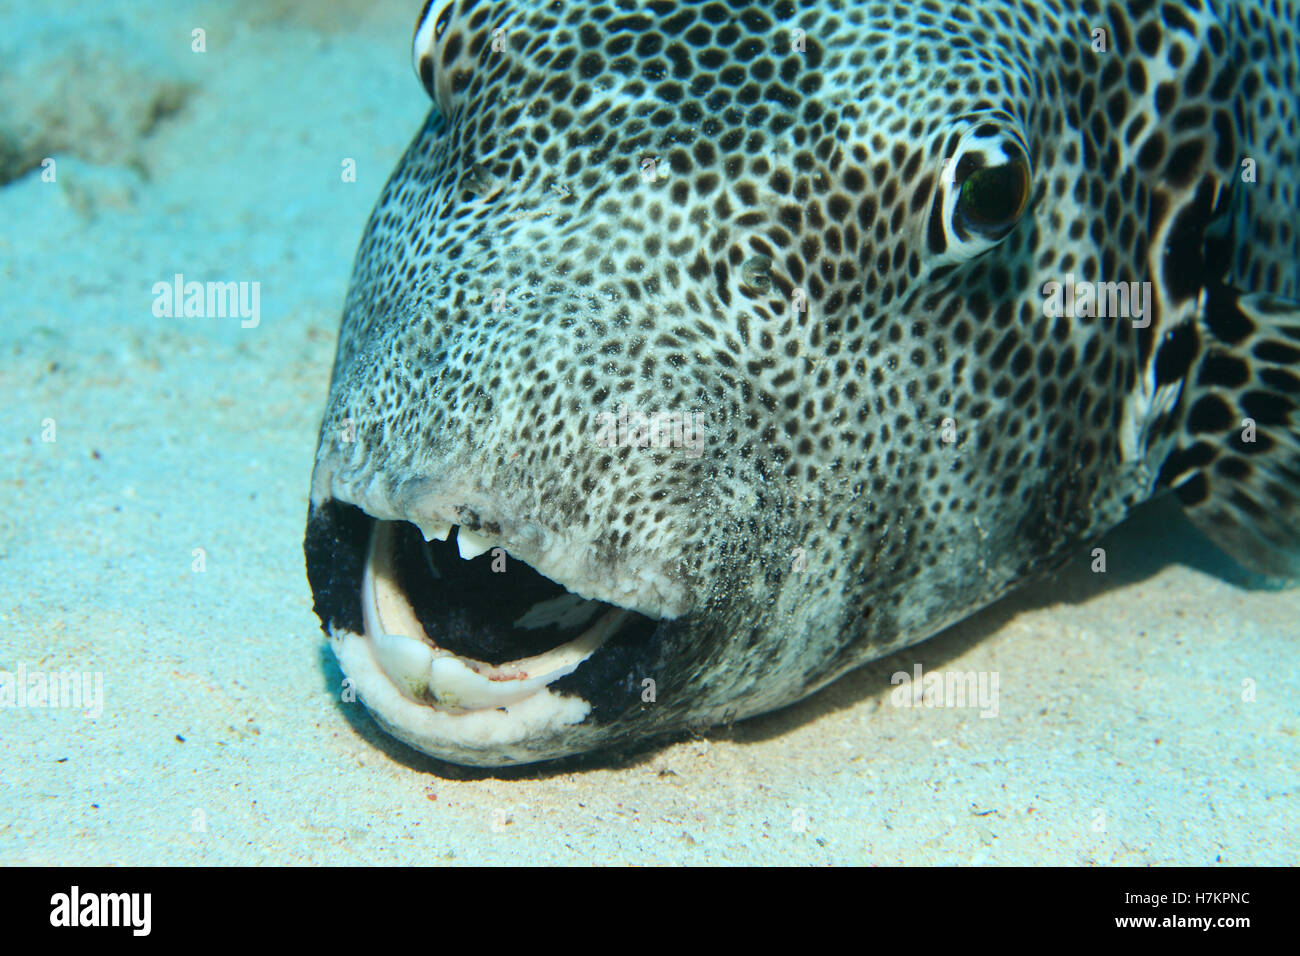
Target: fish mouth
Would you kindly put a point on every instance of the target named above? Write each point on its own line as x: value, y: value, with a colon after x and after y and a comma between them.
x: 462, y: 650
x: 461, y: 626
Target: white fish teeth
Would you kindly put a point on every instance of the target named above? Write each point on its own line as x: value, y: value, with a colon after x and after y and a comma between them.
x: 434, y: 529
x: 405, y: 660
x: 471, y: 545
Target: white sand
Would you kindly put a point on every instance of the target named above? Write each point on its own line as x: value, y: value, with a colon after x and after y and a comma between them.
x: 1121, y: 694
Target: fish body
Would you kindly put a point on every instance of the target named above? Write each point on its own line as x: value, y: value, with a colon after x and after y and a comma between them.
x: 696, y: 353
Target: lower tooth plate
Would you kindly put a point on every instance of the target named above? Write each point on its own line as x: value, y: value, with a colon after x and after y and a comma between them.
x: 452, y: 684
x: 406, y: 660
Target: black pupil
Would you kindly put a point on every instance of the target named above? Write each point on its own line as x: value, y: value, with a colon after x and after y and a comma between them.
x: 993, y: 196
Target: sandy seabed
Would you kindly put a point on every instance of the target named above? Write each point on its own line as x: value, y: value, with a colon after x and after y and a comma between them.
x: 1146, y: 715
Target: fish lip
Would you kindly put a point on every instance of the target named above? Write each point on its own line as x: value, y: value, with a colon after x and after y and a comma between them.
x: 567, y: 714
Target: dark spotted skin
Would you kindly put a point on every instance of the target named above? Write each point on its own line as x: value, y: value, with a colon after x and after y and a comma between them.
x: 818, y: 173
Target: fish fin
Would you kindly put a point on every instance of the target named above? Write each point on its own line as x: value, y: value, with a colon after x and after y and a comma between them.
x: 1237, y: 470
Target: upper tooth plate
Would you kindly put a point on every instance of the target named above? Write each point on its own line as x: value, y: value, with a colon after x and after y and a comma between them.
x: 435, y: 529
x: 471, y: 545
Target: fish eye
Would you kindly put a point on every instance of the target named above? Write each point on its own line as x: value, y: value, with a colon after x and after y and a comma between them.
x: 986, y: 184
x: 432, y: 50
x: 992, y: 198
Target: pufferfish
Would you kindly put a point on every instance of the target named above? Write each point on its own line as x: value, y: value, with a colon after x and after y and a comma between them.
x: 696, y: 353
